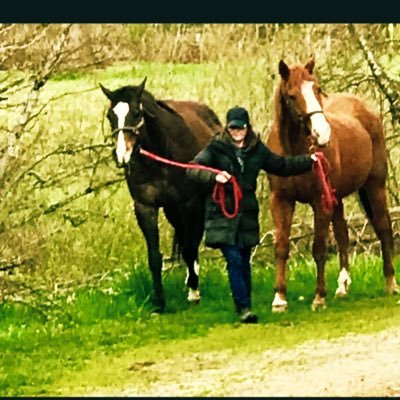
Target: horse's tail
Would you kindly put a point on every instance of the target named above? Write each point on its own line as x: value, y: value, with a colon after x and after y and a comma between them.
x: 363, y: 194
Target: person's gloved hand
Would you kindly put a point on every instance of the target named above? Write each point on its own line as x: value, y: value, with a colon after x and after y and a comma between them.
x: 223, y: 177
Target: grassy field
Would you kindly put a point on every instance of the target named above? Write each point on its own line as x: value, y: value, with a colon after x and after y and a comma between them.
x: 61, y: 346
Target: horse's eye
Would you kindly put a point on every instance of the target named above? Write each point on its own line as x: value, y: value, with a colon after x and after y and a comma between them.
x: 136, y: 114
x: 292, y: 96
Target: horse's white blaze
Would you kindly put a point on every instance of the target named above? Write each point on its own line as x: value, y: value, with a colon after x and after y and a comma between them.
x: 320, y: 128
x: 344, y: 282
x: 121, y: 111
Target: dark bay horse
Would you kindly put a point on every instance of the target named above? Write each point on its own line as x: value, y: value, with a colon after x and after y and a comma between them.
x: 176, y: 130
x: 351, y: 137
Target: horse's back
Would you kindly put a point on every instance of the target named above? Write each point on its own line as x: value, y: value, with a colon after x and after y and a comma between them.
x: 354, y: 106
x: 345, y: 106
x: 201, y: 119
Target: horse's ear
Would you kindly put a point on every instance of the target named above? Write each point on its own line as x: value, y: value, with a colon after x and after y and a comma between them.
x: 310, y: 64
x: 141, y: 87
x: 284, y: 70
x: 106, y: 91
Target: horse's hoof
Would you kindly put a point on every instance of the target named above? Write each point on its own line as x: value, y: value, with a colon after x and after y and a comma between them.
x: 279, y: 305
x: 392, y: 287
x: 279, y: 309
x: 394, y: 290
x: 340, y: 294
x: 154, y: 314
x: 157, y: 310
x: 194, y: 296
x: 318, y: 306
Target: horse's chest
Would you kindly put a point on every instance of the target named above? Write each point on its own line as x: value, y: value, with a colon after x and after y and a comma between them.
x: 157, y: 193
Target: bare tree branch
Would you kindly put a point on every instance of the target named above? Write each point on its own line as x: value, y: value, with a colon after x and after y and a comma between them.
x: 382, y: 80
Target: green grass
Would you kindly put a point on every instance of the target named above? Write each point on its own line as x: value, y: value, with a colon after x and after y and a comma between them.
x: 46, y: 348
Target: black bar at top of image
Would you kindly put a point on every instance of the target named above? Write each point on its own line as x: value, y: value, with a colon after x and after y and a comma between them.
x: 198, y: 11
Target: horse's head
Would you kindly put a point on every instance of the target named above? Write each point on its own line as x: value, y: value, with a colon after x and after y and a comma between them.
x: 126, y: 119
x: 301, y: 94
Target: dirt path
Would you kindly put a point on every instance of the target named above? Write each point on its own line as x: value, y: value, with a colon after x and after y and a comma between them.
x: 355, y: 365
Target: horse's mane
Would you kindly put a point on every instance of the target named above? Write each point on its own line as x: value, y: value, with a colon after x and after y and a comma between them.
x: 150, y: 104
x: 278, y: 105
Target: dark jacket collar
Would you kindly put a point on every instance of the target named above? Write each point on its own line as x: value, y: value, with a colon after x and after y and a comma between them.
x: 223, y: 142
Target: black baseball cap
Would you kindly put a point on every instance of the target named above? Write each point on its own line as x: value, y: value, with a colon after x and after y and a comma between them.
x: 237, y: 117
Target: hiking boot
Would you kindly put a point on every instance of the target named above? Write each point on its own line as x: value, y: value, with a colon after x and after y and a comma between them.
x: 247, y: 317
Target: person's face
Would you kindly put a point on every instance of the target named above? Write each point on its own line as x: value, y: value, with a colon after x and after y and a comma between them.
x: 238, y: 134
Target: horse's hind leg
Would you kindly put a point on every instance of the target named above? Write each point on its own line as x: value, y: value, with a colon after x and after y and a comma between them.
x: 189, y: 231
x: 374, y: 200
x: 194, y: 228
x: 147, y: 218
x: 341, y: 232
x: 282, y: 213
x: 319, y: 250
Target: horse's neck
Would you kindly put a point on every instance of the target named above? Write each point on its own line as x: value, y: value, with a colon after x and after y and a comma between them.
x: 155, y: 139
x: 291, y: 137
x: 170, y: 137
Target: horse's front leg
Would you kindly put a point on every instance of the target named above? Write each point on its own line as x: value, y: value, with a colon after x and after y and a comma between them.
x: 319, y: 250
x: 282, y: 214
x: 147, y: 217
x: 341, y: 232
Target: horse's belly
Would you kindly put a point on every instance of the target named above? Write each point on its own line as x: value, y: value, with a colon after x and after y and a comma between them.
x: 355, y: 164
x: 149, y: 194
x: 351, y: 180
x: 160, y: 193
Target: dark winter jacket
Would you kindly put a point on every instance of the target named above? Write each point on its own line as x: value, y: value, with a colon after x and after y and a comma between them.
x: 245, y: 164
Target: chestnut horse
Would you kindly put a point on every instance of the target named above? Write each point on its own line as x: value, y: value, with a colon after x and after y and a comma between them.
x: 351, y: 137
x: 177, y: 130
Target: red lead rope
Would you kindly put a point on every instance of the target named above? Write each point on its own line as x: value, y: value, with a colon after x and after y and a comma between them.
x: 219, y: 189
x: 328, y: 196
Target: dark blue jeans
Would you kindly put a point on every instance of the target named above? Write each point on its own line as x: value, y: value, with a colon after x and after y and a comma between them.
x: 239, y: 272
